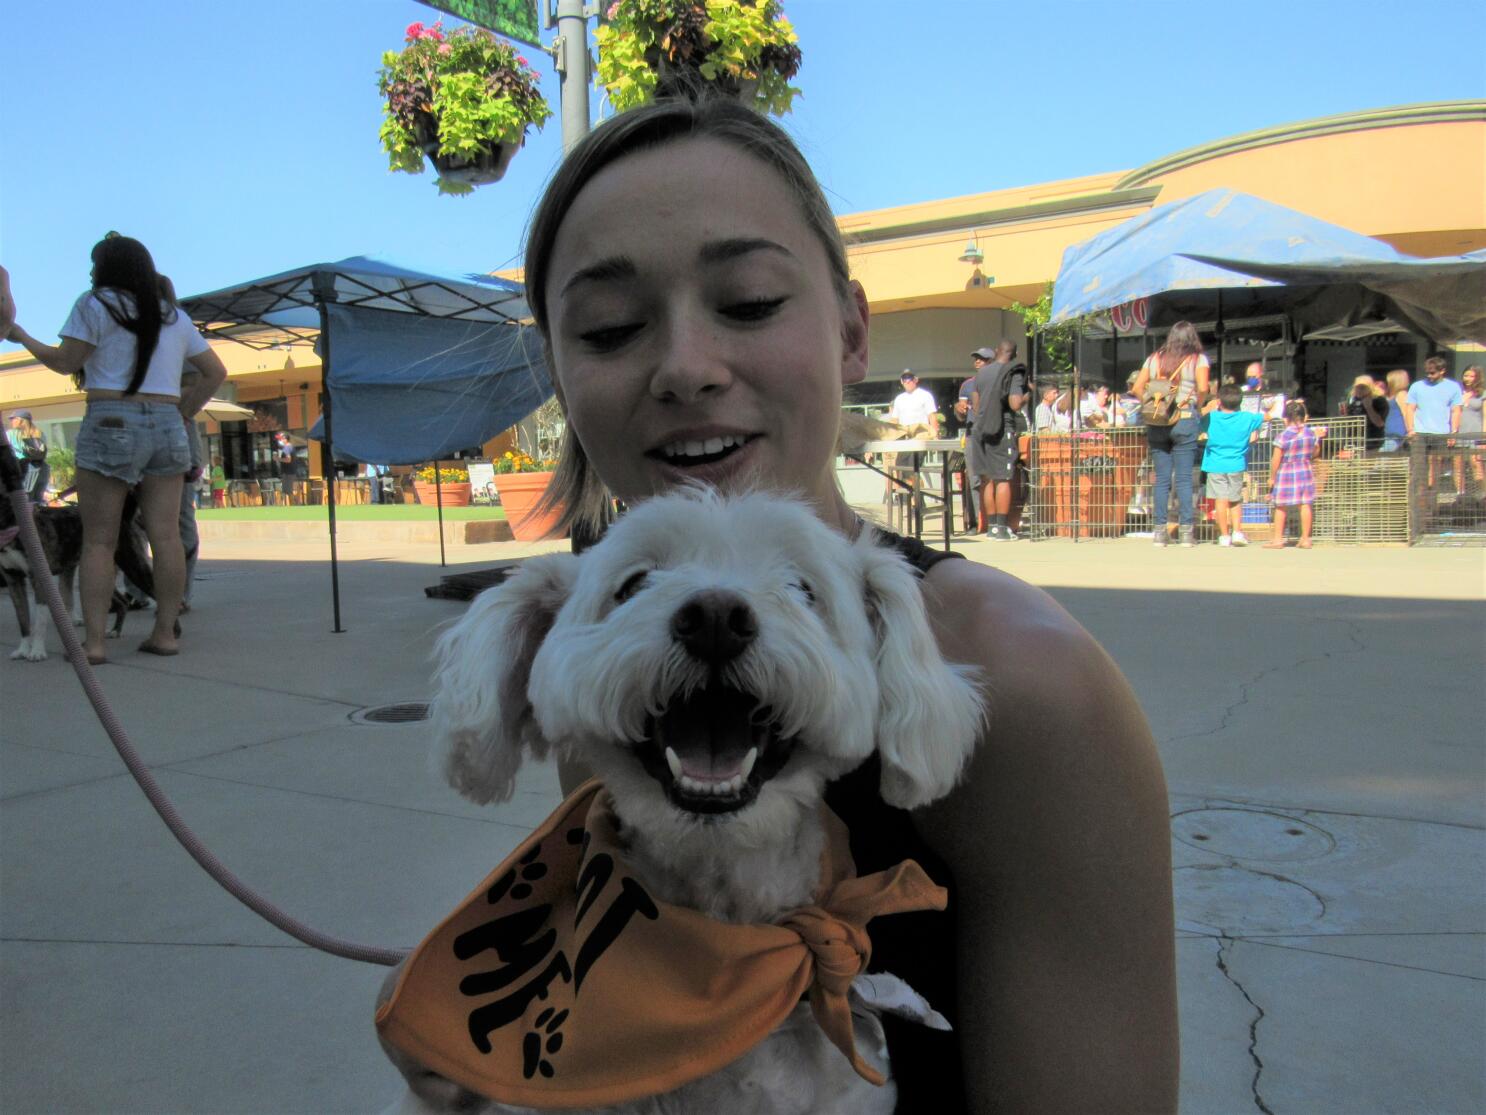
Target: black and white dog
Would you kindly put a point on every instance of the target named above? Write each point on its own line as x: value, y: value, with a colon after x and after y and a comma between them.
x: 61, y: 533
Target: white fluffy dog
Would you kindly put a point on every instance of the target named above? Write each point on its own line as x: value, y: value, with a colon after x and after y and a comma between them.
x: 715, y: 662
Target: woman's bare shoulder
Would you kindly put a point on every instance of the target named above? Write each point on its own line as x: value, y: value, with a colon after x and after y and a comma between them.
x: 1060, y: 715
x: 1058, y: 839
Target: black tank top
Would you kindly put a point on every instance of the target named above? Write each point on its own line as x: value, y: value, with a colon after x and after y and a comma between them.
x: 917, y: 947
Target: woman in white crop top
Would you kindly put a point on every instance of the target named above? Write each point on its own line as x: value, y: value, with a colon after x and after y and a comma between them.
x: 127, y: 345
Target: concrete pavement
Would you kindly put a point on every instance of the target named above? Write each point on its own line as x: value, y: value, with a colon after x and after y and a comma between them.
x: 1319, y: 715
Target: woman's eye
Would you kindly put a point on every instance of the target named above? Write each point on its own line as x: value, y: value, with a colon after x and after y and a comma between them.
x: 752, y: 309
x: 632, y: 584
x: 609, y: 337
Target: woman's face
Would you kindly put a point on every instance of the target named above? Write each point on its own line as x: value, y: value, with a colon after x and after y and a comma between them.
x: 696, y: 330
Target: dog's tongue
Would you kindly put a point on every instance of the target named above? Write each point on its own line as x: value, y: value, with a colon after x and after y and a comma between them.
x: 710, y: 732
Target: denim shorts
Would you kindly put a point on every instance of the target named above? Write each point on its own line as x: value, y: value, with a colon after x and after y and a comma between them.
x: 125, y: 439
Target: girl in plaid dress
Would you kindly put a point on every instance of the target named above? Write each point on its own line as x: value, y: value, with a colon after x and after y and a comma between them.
x: 1293, y: 481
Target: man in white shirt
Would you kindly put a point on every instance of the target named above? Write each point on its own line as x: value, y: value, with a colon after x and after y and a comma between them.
x: 914, y: 407
x: 912, y: 415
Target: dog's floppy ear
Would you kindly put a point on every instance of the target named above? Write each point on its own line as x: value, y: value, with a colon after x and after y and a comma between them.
x: 929, y: 713
x: 482, y: 718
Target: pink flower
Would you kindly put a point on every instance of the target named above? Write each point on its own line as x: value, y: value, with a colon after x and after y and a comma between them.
x: 414, y: 31
x: 522, y: 60
x: 613, y: 8
x: 445, y: 48
x: 436, y: 32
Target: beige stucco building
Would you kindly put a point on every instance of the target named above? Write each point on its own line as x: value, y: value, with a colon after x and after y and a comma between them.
x: 1414, y: 176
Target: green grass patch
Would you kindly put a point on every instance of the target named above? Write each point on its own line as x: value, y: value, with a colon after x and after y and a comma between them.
x: 356, y: 512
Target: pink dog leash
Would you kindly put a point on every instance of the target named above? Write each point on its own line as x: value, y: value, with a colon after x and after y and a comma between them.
x: 198, y: 851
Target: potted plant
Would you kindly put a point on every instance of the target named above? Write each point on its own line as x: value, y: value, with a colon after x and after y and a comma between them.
x: 463, y: 99
x: 745, y: 48
x: 452, y: 483
x: 521, y: 480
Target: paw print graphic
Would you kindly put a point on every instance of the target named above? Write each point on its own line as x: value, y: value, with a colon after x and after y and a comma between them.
x: 545, y: 1039
x: 531, y: 871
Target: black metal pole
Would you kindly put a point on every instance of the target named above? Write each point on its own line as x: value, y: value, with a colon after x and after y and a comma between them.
x: 438, y: 498
x: 324, y: 295
x: 1075, y: 425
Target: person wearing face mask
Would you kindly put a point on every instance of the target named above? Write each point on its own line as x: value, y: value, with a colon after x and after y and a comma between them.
x: 707, y: 338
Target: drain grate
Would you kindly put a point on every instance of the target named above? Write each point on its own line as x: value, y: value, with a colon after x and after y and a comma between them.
x: 405, y: 713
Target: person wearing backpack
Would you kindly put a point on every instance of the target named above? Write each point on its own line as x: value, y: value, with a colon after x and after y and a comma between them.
x: 1172, y: 384
x: 29, y: 445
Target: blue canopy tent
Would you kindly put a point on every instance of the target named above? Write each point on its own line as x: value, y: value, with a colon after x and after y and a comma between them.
x: 1265, y: 256
x: 415, y: 365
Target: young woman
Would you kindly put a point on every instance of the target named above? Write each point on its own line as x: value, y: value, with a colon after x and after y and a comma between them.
x: 1399, y: 423
x: 1174, y: 448
x: 707, y: 336
x: 127, y: 345
x: 1472, y: 390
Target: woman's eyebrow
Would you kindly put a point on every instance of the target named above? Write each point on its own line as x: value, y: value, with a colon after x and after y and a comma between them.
x: 722, y: 251
x: 605, y: 270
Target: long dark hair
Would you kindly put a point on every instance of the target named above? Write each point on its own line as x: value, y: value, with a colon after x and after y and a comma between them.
x: 124, y: 265
x: 1181, y: 343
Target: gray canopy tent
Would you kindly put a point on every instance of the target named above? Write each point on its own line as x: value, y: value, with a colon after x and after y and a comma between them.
x: 415, y: 365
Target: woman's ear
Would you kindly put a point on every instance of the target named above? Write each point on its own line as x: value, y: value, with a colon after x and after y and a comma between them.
x: 929, y: 713
x: 855, y: 315
x: 481, y: 716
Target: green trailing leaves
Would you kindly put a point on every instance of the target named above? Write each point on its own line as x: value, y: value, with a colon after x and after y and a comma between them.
x: 744, y: 47
x: 461, y: 95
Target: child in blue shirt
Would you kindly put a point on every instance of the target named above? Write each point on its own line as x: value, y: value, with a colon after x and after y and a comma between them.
x: 1229, y: 432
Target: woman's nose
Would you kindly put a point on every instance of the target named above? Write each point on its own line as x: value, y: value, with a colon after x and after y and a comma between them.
x: 690, y: 362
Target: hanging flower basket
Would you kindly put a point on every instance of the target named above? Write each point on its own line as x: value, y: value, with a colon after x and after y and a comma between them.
x: 463, y: 100
x: 741, y: 48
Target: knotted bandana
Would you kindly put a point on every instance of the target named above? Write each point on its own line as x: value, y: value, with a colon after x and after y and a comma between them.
x: 561, y: 982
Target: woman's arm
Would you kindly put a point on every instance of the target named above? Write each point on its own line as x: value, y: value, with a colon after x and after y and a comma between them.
x: 203, y: 386
x: 67, y: 358
x: 1059, y: 841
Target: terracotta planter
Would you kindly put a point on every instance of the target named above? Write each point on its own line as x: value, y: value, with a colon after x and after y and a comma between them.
x: 519, y: 493
x: 455, y: 495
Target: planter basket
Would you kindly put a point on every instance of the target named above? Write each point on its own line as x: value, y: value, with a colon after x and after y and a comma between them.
x: 519, y: 493
x: 489, y: 167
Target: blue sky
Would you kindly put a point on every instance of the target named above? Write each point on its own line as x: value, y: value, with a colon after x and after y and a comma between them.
x: 240, y: 139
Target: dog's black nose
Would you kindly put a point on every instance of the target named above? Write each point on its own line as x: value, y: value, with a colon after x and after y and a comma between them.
x: 715, y: 626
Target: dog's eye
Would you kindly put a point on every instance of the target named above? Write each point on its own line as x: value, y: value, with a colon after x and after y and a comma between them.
x: 806, y: 591
x: 632, y: 584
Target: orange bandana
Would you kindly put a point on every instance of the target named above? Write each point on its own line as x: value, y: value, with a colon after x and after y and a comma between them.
x: 561, y: 983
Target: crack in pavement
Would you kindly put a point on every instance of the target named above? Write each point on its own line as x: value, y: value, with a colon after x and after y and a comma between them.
x: 1224, y: 941
x: 1349, y: 626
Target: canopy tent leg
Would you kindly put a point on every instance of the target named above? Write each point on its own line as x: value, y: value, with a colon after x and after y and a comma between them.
x: 325, y: 293
x: 438, y: 498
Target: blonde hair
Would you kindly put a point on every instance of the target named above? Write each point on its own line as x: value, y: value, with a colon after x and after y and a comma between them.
x: 1397, y: 381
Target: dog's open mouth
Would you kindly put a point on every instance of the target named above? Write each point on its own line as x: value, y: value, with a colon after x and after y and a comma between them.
x: 714, y: 750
